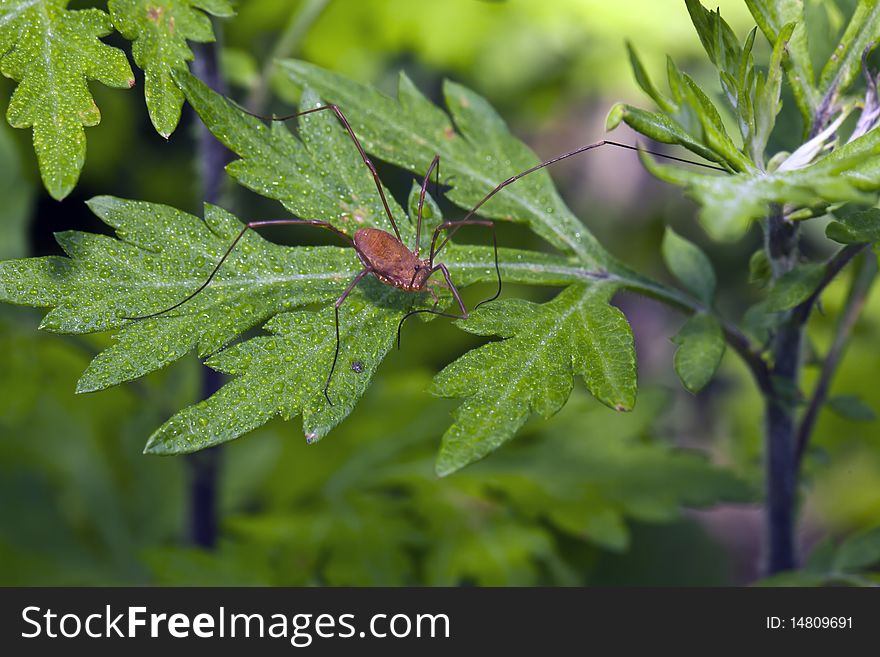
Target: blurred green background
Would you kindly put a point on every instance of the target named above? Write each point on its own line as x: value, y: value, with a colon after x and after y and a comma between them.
x: 588, y: 497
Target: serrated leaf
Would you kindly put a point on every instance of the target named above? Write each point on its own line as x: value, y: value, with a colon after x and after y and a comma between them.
x: 477, y: 152
x: 700, y: 349
x: 53, y: 52
x: 165, y: 254
x: 771, y: 16
x: 794, y: 287
x: 855, y: 227
x: 159, y: 31
x: 689, y: 265
x: 284, y: 374
x: 317, y: 175
x: 532, y: 369
x: 851, y: 407
x: 844, y: 65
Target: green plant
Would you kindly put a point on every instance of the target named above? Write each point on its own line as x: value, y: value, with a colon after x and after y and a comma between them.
x: 161, y: 254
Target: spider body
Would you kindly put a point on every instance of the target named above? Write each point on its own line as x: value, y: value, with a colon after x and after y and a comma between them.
x: 391, y: 261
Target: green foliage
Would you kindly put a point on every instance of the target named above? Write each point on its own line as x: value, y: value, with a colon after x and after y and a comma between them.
x: 531, y: 368
x: 86, y: 501
x: 478, y: 152
x: 365, y: 509
x: 700, y: 348
x: 163, y: 255
x: 851, y: 563
x: 852, y: 407
x: 159, y: 30
x: 771, y: 16
x: 844, y: 65
x: 794, y: 287
x: 53, y: 52
x: 810, y: 178
x: 854, y: 227
x: 690, y: 265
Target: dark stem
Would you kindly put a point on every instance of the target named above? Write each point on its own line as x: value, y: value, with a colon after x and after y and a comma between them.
x: 780, y: 466
x: 204, y: 466
x: 863, y: 278
x: 782, y: 436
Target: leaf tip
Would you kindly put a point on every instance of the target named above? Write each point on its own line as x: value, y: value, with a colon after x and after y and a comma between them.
x: 615, y: 116
x: 85, y: 385
x: 442, y: 469
x: 101, y: 206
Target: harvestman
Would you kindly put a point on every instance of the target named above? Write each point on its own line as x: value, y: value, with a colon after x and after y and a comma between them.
x: 385, y: 255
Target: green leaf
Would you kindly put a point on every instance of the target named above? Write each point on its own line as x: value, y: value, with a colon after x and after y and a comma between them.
x: 163, y: 255
x: 767, y: 103
x: 771, y: 16
x: 760, y: 268
x: 718, y: 39
x: 714, y: 133
x: 531, y: 369
x: 851, y: 407
x: 794, y: 287
x: 730, y: 202
x: 592, y: 470
x: 855, y: 227
x: 701, y: 347
x: 284, y: 374
x: 859, y: 551
x: 660, y: 127
x: 53, y: 52
x: 644, y: 81
x: 159, y: 30
x: 316, y: 176
x: 844, y: 64
x: 689, y: 265
x: 475, y: 157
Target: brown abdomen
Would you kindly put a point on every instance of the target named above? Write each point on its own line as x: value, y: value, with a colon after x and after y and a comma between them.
x: 384, y: 254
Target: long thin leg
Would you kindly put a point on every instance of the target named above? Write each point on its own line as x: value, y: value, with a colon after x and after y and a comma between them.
x: 345, y: 124
x: 343, y: 297
x: 577, y: 151
x: 454, y: 226
x: 455, y: 295
x: 434, y: 163
x: 249, y: 226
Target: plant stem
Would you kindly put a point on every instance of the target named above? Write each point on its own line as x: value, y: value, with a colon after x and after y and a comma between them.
x: 784, y: 440
x: 861, y: 284
x: 299, y: 23
x: 204, y: 465
x: 780, y: 470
